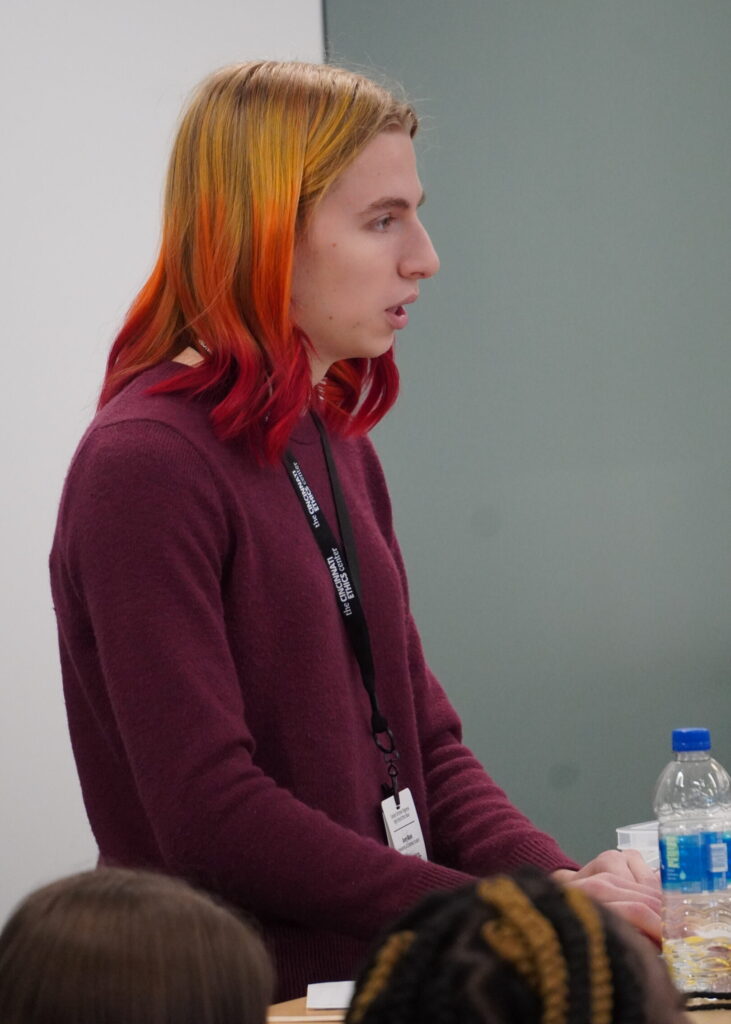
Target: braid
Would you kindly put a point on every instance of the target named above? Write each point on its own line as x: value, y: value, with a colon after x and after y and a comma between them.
x: 600, y: 978
x: 388, y: 956
x: 627, y: 972
x: 549, y: 900
x: 422, y: 984
x: 527, y: 940
x: 507, y: 949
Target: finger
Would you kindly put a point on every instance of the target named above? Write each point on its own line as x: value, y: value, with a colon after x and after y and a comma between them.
x: 614, y: 861
x: 639, y: 890
x: 642, y: 917
x: 607, y: 880
x: 608, y: 889
x: 625, y: 864
x: 640, y: 869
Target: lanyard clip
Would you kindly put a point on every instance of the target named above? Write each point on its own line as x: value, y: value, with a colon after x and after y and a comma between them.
x: 379, y: 728
x: 392, y: 788
x: 383, y: 738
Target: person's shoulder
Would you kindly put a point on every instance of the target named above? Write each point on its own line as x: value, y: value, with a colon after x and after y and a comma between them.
x: 144, y: 459
x: 135, y: 403
x: 139, y: 436
x: 138, y: 410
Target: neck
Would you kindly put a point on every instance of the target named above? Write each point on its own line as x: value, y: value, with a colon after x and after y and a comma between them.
x: 318, y: 369
x: 189, y: 357
x: 192, y: 357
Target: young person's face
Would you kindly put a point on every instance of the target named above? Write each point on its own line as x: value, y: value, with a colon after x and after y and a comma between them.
x: 360, y: 261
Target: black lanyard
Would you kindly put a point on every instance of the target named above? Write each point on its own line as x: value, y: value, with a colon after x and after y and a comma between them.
x: 344, y: 573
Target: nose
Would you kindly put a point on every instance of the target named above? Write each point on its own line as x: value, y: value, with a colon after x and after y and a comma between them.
x: 420, y: 258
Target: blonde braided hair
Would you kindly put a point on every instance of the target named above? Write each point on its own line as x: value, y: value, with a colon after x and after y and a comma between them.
x: 388, y: 956
x: 505, y: 949
x: 600, y: 974
x: 528, y: 941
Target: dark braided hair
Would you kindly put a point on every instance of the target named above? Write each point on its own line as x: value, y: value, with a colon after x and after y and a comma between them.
x: 505, y: 950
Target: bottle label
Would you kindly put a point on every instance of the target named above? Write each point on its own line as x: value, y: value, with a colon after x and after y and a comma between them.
x: 694, y: 863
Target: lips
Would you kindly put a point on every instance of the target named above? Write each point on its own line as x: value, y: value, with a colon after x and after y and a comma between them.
x: 397, y: 316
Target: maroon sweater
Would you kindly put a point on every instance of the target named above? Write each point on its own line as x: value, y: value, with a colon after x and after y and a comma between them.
x: 218, y: 719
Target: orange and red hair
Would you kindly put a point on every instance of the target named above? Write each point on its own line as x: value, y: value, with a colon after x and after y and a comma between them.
x: 258, y: 146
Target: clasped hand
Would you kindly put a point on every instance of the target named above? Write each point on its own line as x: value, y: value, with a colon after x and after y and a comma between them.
x: 622, y: 881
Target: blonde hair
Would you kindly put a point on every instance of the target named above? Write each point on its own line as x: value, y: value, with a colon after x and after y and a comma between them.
x: 258, y: 146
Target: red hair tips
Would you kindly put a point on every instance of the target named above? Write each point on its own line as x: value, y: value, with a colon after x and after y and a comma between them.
x: 258, y: 146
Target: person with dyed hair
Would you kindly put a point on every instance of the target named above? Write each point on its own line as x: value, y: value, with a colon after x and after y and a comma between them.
x: 241, y: 668
x: 123, y: 947
x: 517, y: 949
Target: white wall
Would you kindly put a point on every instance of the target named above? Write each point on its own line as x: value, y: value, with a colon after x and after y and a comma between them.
x: 90, y: 93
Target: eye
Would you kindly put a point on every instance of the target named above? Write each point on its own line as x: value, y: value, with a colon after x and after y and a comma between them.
x: 384, y: 222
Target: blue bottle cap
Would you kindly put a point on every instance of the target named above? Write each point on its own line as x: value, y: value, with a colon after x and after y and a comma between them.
x: 691, y: 739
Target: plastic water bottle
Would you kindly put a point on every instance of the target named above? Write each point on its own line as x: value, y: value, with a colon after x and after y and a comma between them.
x: 693, y: 806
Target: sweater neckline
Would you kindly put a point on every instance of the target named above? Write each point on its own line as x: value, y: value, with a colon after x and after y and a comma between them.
x: 304, y: 432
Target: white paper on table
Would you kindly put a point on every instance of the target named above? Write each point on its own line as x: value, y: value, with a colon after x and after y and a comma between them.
x: 330, y: 995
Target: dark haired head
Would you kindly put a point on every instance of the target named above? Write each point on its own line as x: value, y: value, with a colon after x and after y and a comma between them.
x: 123, y: 947
x: 513, y: 949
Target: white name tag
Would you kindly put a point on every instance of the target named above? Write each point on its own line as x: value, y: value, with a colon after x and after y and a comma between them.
x: 403, y: 829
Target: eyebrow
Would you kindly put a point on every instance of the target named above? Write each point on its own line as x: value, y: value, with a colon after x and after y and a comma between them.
x: 391, y: 202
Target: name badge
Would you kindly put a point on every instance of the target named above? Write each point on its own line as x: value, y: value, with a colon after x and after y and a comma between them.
x: 403, y: 829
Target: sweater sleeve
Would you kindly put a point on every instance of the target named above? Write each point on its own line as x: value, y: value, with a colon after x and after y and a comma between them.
x: 143, y: 546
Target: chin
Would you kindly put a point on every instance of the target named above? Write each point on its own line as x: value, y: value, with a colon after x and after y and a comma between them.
x: 382, y: 348
x: 370, y: 348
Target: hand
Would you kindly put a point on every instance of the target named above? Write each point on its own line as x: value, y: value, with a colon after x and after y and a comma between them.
x: 622, y: 881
